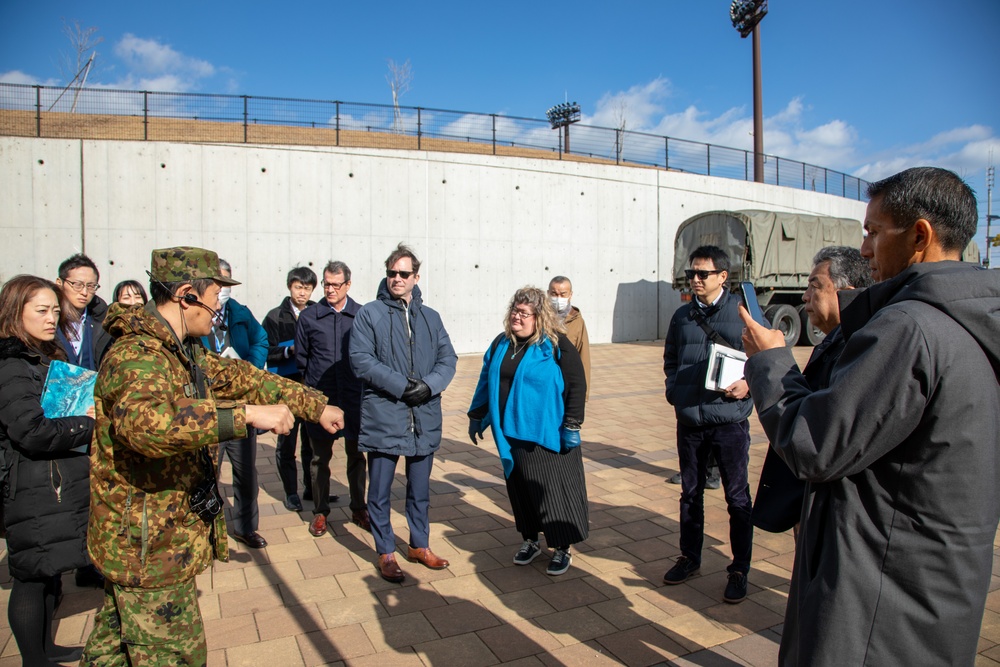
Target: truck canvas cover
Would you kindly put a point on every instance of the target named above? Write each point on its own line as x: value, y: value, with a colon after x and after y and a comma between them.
x: 774, y: 250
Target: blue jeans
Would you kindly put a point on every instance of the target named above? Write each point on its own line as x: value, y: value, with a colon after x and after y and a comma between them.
x: 381, y: 471
x: 730, y: 443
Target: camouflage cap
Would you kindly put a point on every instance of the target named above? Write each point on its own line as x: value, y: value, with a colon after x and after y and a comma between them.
x: 184, y: 263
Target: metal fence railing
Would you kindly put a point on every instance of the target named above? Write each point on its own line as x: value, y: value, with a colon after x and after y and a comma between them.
x: 99, y: 113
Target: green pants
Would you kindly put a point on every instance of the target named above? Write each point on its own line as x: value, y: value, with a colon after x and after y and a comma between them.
x: 147, y: 626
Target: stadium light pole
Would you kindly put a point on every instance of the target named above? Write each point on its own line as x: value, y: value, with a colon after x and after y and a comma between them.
x: 746, y: 16
x: 564, y: 115
x: 989, y: 214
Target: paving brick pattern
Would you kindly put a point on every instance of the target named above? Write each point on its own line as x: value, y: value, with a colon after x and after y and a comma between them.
x: 309, y: 601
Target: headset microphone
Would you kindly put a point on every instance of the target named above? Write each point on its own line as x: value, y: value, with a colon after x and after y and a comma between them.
x: 192, y: 299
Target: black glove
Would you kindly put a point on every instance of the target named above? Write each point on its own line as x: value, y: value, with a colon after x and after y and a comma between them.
x: 416, y: 392
x: 475, y: 428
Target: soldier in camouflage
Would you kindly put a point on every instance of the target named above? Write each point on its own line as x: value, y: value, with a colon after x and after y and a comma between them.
x: 163, y: 403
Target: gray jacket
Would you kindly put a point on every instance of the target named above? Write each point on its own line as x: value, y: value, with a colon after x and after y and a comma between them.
x: 391, y: 342
x: 902, y: 457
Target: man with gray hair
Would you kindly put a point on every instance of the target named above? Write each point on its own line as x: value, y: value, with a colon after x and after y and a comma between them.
x: 778, y: 504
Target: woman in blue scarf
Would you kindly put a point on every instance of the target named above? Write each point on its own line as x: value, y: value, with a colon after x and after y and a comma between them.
x: 531, y: 393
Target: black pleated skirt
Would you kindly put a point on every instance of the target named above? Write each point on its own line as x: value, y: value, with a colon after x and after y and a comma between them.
x: 548, y: 494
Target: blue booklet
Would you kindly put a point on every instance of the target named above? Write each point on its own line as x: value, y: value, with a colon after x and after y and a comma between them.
x: 286, y: 367
x: 68, y: 390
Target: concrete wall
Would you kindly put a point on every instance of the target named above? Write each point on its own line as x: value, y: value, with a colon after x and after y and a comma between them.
x: 483, y: 226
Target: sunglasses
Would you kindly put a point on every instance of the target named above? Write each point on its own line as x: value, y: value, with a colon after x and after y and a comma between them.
x: 703, y: 275
x: 402, y: 274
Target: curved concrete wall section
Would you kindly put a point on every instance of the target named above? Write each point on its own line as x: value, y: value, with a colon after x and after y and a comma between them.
x: 482, y: 225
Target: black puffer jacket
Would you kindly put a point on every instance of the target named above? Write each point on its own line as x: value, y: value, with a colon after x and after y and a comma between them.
x: 47, y: 493
x: 685, y: 363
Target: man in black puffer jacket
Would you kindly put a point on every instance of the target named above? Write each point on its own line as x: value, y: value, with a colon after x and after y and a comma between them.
x: 709, y: 422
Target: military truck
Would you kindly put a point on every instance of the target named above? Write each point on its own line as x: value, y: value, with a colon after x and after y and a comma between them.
x: 774, y: 251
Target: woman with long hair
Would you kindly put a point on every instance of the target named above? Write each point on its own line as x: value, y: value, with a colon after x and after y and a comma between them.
x: 46, y: 489
x: 532, y: 394
x: 129, y: 293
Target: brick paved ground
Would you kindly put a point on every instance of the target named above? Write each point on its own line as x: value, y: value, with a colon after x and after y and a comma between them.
x: 306, y: 601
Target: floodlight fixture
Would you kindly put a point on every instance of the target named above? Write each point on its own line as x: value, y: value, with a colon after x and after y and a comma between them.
x: 563, y: 114
x: 746, y: 14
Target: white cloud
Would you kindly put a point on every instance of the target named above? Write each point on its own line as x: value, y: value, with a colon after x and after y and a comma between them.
x: 17, y: 76
x: 152, y: 65
x: 964, y: 150
x: 834, y: 144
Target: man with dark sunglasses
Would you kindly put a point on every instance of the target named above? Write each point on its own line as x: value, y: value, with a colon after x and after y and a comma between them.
x: 403, y: 354
x: 709, y: 423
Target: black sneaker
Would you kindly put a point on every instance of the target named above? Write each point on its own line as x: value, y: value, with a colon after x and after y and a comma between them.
x: 527, y: 553
x: 559, y: 563
x: 736, y: 589
x: 682, y: 569
x: 713, y: 482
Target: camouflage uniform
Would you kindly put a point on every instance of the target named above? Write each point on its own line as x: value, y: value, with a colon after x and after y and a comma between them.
x: 159, y: 403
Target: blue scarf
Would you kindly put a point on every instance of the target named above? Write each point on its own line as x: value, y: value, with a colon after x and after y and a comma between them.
x: 534, y: 403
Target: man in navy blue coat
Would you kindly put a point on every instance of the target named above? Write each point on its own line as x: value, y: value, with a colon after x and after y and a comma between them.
x: 401, y: 351
x: 708, y: 421
x: 322, y: 341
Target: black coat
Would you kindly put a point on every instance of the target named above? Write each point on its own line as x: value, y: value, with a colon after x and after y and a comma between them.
x: 778, y: 505
x: 279, y: 324
x: 685, y: 363
x: 895, y: 552
x: 322, y: 344
x: 47, y: 494
x: 100, y: 339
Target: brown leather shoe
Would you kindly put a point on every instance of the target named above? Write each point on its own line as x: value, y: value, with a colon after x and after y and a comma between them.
x: 317, y: 526
x: 361, y: 520
x: 427, y: 557
x: 389, y: 568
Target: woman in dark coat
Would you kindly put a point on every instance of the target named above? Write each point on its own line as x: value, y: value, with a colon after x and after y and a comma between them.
x: 47, y: 489
x: 532, y: 392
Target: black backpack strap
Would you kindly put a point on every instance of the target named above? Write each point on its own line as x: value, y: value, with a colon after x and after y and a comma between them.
x: 712, y: 334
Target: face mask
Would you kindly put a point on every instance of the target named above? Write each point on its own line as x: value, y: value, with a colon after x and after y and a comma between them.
x: 560, y: 304
x: 224, y: 295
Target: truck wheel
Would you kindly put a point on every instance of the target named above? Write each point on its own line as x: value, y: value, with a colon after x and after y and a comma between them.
x: 785, y: 319
x: 810, y: 334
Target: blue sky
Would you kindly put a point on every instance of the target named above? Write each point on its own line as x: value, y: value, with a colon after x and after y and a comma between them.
x: 864, y: 87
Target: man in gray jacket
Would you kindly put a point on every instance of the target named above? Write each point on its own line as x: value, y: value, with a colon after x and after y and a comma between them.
x: 400, y: 350
x: 900, y: 452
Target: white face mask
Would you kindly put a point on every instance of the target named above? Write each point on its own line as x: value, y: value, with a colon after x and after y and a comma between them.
x: 560, y: 304
x: 224, y: 295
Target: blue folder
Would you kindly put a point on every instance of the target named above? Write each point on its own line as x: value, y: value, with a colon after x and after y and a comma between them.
x: 286, y: 367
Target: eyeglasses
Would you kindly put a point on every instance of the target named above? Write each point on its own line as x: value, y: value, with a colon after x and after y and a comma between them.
x: 703, y: 275
x: 333, y: 286
x: 402, y: 274
x: 520, y: 315
x: 80, y: 286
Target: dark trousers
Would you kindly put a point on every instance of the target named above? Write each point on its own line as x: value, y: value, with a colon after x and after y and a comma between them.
x: 243, y: 456
x: 322, y: 447
x: 284, y: 457
x: 381, y: 471
x: 730, y: 443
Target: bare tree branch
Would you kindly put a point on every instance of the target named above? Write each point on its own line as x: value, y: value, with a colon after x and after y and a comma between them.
x: 398, y: 78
